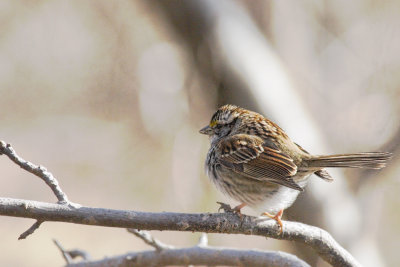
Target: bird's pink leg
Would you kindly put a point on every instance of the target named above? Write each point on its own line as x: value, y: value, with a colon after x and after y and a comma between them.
x: 238, y: 208
x: 277, y: 217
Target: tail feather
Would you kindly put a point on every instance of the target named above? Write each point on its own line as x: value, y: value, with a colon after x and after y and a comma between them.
x: 323, y: 174
x: 369, y: 160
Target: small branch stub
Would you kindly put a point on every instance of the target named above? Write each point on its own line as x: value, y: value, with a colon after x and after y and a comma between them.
x: 149, y: 239
x: 31, y: 229
x: 203, y: 240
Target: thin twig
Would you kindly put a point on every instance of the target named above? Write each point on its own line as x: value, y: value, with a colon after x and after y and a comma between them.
x: 30, y: 229
x: 72, y: 254
x: 65, y: 254
x: 149, y: 239
x: 39, y: 171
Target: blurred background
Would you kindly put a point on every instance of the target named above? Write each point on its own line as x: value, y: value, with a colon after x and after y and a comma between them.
x: 110, y: 95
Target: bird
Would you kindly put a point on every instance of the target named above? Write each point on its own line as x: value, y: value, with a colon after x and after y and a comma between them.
x: 253, y: 161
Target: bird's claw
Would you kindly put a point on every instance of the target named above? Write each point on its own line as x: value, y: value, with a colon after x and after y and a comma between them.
x: 225, y: 207
x: 277, y: 217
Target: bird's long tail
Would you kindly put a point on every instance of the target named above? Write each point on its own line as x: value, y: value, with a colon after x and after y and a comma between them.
x: 369, y: 160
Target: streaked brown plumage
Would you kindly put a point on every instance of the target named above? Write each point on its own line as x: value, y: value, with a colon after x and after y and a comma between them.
x: 252, y: 160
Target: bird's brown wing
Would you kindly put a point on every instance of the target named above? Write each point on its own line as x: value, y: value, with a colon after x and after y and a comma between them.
x: 253, y: 157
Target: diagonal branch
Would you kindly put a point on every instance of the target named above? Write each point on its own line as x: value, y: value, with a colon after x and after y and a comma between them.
x: 39, y: 171
x: 30, y: 230
x: 69, y: 255
x: 149, y: 240
x: 318, y: 239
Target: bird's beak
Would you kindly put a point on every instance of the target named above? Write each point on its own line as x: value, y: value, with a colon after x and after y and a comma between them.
x: 206, y: 130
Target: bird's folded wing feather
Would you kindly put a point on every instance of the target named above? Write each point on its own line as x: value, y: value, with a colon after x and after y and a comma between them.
x: 253, y: 157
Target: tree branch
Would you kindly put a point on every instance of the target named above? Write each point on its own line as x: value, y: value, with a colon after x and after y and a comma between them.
x: 71, y: 254
x: 229, y: 223
x: 199, y: 256
x: 318, y: 239
x: 30, y: 230
x: 149, y: 240
x: 39, y: 171
x: 167, y: 254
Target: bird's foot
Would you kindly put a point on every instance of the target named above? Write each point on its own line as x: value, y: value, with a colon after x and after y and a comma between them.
x: 227, y: 208
x: 277, y: 217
